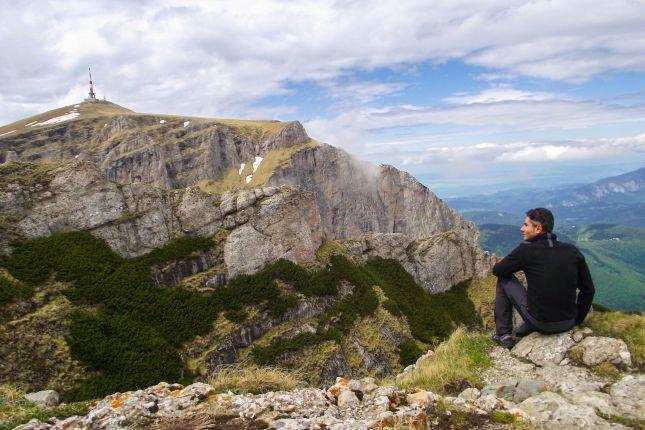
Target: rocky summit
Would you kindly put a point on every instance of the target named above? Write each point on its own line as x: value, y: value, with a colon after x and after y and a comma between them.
x: 271, y: 281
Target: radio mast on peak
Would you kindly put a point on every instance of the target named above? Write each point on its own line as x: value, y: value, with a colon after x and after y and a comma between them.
x: 92, y: 96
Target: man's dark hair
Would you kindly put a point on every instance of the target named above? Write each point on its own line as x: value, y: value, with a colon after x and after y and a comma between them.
x: 543, y: 216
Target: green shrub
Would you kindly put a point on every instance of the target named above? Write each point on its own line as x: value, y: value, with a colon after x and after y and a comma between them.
x: 408, y: 351
x: 11, y: 290
x: 77, y: 256
x: 432, y: 317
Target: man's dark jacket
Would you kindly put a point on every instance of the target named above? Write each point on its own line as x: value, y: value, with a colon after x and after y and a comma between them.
x: 554, y: 271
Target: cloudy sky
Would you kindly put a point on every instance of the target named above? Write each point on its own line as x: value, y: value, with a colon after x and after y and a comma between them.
x: 469, y: 96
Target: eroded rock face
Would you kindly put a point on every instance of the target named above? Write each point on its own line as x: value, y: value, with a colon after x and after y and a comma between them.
x: 284, y: 223
x: 437, y: 262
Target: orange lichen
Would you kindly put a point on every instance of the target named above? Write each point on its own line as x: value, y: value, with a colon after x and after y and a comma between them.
x: 116, y: 404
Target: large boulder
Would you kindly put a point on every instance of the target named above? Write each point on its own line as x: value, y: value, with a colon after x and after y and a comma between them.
x: 44, y: 398
x: 555, y: 412
x: 599, y: 350
x: 544, y: 349
x: 628, y: 396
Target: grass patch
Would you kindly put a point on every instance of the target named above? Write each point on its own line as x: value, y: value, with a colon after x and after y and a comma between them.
x: 628, y: 326
x: 460, y: 358
x: 629, y: 422
x: 16, y: 410
x: 254, y: 379
x: 27, y: 175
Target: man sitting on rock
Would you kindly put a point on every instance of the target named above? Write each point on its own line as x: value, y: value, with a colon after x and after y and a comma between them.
x: 554, y: 271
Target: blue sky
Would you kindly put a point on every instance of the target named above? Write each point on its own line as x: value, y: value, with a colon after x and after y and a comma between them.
x: 468, y: 96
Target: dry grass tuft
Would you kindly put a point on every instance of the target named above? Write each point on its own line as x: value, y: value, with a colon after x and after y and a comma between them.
x: 254, y: 379
x: 457, y: 361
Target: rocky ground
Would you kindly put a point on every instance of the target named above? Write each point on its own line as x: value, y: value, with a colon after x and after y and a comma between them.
x: 574, y: 380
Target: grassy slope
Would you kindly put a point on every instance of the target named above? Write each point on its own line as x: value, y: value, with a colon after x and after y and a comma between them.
x: 616, y: 265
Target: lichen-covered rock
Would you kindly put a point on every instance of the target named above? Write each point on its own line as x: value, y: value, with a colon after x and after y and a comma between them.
x: 554, y: 412
x: 599, y: 350
x: 544, y: 349
x: 628, y: 396
x: 347, y: 399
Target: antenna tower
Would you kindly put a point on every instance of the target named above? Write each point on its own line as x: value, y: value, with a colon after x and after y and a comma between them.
x: 92, y: 96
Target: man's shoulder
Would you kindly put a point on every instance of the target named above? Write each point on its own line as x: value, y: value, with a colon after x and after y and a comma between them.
x: 568, y: 245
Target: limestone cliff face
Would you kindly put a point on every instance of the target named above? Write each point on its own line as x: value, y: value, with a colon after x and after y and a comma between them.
x: 264, y: 224
x: 357, y: 197
x: 139, y: 181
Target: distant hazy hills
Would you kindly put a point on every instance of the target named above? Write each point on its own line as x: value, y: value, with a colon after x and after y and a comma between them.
x: 616, y: 200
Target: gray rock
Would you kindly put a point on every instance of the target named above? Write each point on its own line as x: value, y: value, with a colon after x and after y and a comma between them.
x: 628, y: 396
x: 599, y: 350
x: 245, y: 199
x: 515, y: 390
x: 554, y: 412
x: 44, y: 398
x: 544, y: 349
x: 470, y: 394
x: 488, y: 403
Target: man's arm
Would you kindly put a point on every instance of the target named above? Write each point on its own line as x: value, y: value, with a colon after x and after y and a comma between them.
x: 586, y: 287
x: 510, y: 264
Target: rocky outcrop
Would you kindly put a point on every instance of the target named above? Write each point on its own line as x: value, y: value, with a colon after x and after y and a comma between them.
x: 355, y: 197
x: 282, y: 222
x: 437, y: 262
x: 573, y: 394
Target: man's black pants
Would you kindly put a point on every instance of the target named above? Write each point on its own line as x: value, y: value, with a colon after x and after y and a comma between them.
x: 510, y: 293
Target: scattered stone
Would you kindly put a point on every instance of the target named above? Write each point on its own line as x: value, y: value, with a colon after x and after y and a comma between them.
x: 598, y: 350
x: 364, y: 385
x: 580, y: 333
x: 269, y: 191
x: 489, y: 403
x: 347, y: 399
x: 422, y: 398
x: 514, y: 390
x: 44, y: 398
x: 470, y: 394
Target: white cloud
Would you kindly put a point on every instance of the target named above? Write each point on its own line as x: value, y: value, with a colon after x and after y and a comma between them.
x: 501, y: 93
x: 221, y: 57
x: 530, y: 152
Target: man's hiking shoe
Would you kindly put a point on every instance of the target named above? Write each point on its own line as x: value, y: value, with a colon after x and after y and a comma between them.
x: 524, y: 330
x: 505, y: 340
